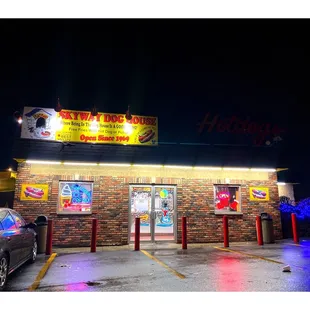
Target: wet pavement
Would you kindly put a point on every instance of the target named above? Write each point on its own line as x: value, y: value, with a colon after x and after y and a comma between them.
x: 22, y: 278
x: 168, y: 268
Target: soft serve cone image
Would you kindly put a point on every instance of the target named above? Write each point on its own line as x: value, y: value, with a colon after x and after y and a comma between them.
x: 66, y: 195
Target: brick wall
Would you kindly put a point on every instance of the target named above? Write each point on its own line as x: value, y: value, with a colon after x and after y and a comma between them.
x: 195, y: 199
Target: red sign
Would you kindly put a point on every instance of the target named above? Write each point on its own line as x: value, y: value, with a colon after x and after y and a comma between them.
x: 259, y: 131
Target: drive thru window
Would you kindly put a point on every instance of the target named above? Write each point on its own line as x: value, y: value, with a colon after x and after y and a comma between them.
x: 227, y: 198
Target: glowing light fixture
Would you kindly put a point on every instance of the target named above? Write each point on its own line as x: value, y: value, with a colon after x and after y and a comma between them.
x: 30, y: 161
x: 57, y: 123
x: 263, y: 169
x: 281, y: 183
x: 207, y: 168
x: 148, y: 166
x: 94, y: 126
x: 18, y: 117
x: 10, y: 169
x: 128, y: 128
x: 79, y: 164
x: 178, y: 167
x: 116, y: 165
x: 236, y: 169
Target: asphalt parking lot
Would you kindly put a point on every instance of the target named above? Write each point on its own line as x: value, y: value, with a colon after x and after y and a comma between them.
x: 243, y: 267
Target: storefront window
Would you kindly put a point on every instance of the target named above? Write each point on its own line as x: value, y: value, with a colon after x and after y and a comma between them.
x: 227, y: 199
x: 75, y: 197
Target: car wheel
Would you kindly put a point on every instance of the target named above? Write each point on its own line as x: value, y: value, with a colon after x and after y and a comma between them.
x: 34, y: 252
x: 4, y: 269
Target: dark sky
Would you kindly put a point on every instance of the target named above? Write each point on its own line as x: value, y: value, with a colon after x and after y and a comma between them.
x: 176, y: 70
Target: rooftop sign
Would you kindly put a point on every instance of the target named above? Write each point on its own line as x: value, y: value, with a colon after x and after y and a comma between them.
x: 81, y: 126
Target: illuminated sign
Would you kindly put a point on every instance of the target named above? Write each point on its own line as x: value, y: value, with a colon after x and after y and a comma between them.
x: 75, y: 197
x: 79, y: 126
x: 34, y: 192
x: 259, y: 193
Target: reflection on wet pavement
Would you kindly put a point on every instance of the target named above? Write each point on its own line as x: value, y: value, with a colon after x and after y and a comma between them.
x: 205, y: 269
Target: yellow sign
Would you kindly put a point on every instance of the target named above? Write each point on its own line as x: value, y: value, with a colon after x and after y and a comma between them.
x: 259, y: 193
x: 78, y: 126
x: 106, y: 128
x: 34, y: 192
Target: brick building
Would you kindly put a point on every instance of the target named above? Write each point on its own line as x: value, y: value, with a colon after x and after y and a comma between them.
x: 161, y: 183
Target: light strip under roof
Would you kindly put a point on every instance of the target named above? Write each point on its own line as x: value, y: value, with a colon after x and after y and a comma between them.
x: 150, y: 166
x: 236, y: 169
x: 178, y: 167
x: 207, y: 168
x: 263, y: 169
x: 45, y: 162
x: 80, y: 164
x: 115, y: 165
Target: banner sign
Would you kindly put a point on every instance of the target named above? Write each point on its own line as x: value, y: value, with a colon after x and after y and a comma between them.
x: 34, y: 192
x: 259, y: 193
x: 79, y: 126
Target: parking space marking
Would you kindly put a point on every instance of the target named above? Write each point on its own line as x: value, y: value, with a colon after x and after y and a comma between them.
x: 250, y: 255
x: 180, y: 275
x: 259, y: 257
x: 42, y: 273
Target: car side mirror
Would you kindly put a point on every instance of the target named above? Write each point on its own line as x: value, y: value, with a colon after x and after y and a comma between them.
x: 30, y: 225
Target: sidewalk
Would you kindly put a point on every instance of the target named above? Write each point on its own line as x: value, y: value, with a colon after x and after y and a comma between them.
x: 162, y: 246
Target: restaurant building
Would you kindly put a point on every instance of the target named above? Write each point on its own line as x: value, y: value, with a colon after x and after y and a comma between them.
x: 73, y: 167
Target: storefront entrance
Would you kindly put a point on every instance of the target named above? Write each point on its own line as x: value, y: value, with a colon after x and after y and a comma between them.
x: 156, y: 207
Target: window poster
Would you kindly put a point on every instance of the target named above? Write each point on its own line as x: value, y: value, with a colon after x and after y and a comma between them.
x: 75, y: 197
x: 227, y: 198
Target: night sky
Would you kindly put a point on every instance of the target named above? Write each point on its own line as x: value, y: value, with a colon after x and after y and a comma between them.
x: 177, y: 70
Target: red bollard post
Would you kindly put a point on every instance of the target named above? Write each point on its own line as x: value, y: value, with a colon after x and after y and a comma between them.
x: 184, y: 233
x: 93, y: 243
x: 49, y: 237
x: 137, y: 233
x: 225, y: 230
x: 294, y: 227
x: 259, y: 230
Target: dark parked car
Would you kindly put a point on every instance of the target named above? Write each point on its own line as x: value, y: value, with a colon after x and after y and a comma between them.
x: 18, y: 243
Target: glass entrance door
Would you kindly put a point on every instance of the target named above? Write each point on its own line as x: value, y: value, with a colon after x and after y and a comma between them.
x: 155, y: 205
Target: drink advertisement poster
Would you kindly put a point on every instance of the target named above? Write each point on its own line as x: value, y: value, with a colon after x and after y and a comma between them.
x: 75, y: 197
x: 259, y: 193
x: 34, y: 192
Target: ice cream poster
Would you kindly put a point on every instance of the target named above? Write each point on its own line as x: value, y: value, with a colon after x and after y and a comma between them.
x: 34, y: 192
x: 75, y: 197
x: 259, y: 193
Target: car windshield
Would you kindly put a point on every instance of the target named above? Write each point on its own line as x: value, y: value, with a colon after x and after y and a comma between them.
x: 3, y: 213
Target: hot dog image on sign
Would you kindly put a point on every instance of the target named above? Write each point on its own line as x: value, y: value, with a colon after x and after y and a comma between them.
x: 259, y: 193
x: 34, y: 192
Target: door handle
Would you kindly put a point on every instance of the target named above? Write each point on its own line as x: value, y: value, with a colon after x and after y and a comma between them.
x: 153, y: 215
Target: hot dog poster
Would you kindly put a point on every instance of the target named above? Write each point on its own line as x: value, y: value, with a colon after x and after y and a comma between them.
x: 81, y: 126
x: 259, y: 193
x: 34, y: 192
